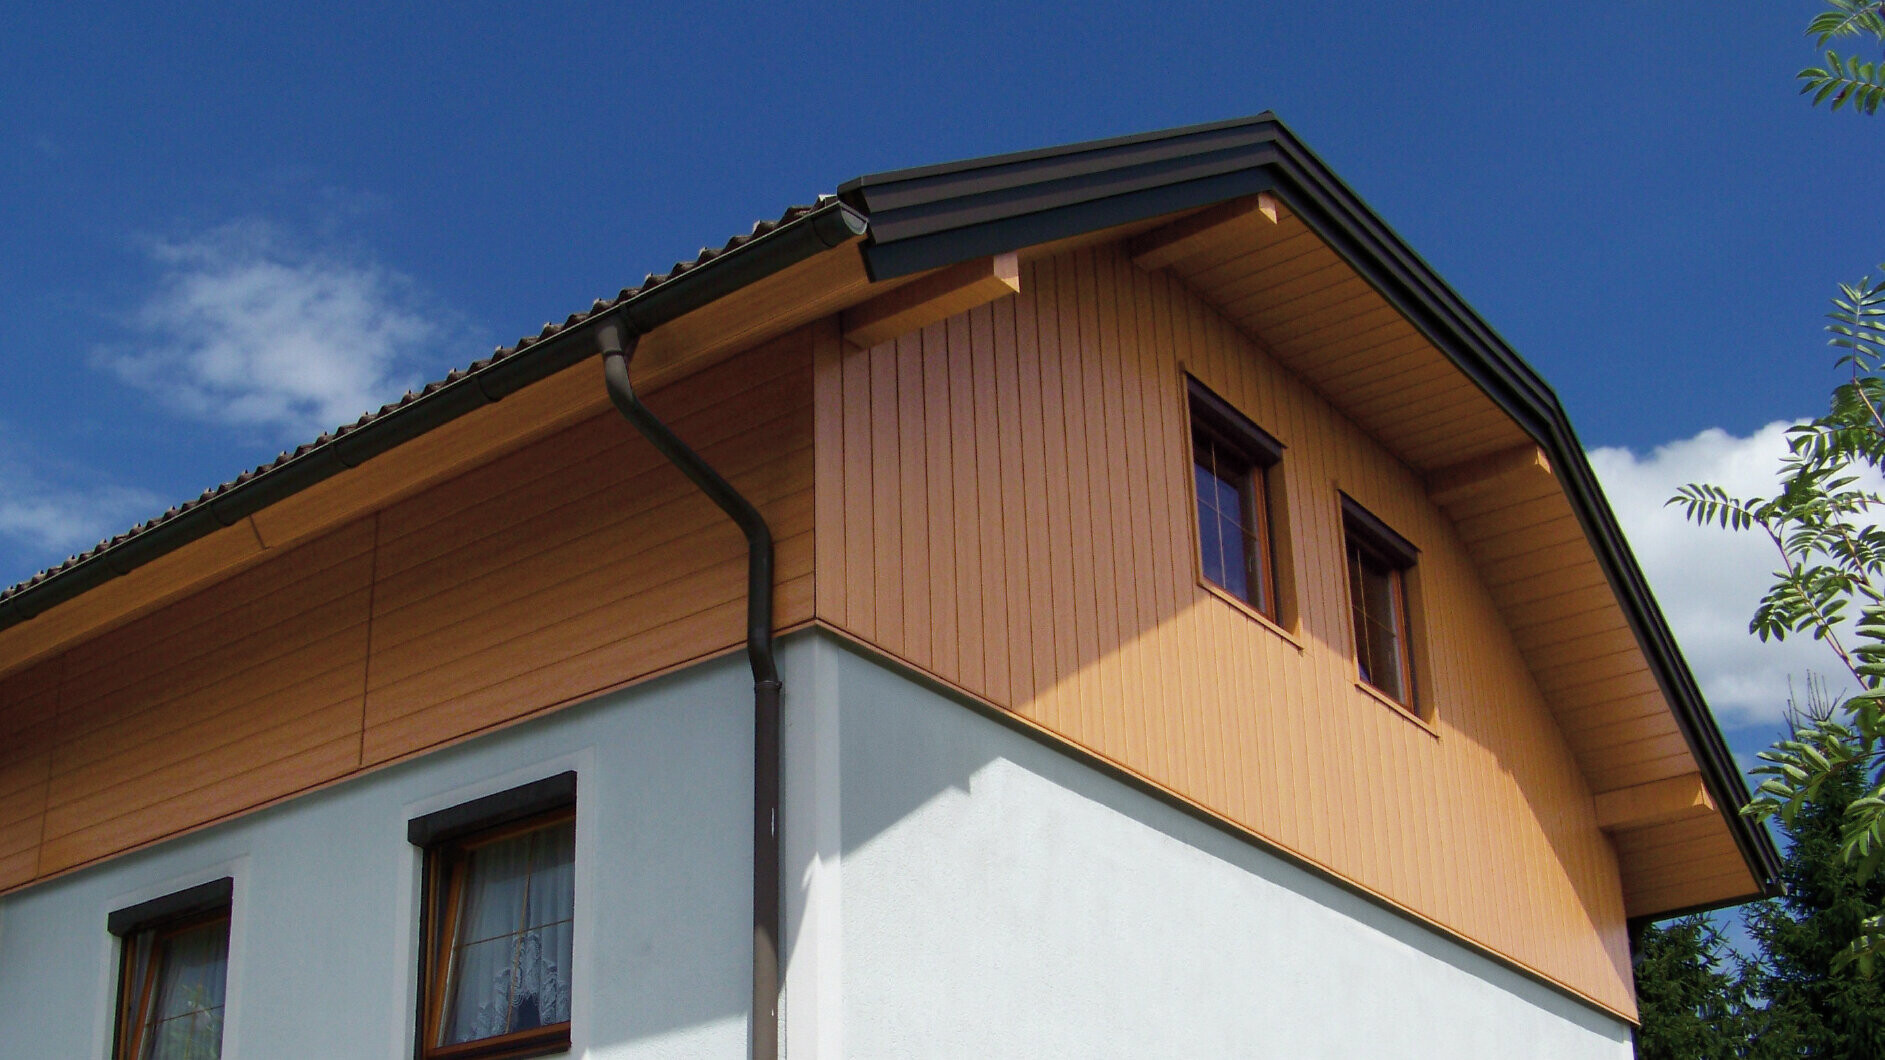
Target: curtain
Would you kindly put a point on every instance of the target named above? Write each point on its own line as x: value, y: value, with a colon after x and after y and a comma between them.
x: 185, y: 1017
x: 510, y: 967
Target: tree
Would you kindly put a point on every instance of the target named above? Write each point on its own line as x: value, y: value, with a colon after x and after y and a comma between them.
x: 1789, y: 997
x: 1689, y: 995
x: 1831, y: 584
x: 1799, y: 998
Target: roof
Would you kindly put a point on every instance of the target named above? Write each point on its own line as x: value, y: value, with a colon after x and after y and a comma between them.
x: 919, y: 219
x: 801, y: 230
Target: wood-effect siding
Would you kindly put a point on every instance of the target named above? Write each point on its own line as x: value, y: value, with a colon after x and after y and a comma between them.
x: 1281, y: 284
x: 1029, y: 464
x: 577, y: 563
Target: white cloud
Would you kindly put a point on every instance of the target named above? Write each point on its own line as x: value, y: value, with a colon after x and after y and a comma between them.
x: 1708, y: 580
x: 249, y: 329
x: 42, y: 523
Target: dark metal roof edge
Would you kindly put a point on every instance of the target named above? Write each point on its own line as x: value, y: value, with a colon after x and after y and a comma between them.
x: 1276, y: 160
x: 803, y: 232
x: 1518, y: 389
x: 1310, y: 187
x: 848, y: 189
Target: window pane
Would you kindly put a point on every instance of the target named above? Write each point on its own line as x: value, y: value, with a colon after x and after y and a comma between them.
x: 1375, y: 597
x: 1358, y: 609
x: 1224, y: 543
x: 481, y: 997
x: 543, y: 976
x: 1210, y: 540
x: 495, y: 877
x: 511, y: 953
x: 1236, y: 563
x: 1233, y: 549
x: 553, y: 876
x: 177, y: 982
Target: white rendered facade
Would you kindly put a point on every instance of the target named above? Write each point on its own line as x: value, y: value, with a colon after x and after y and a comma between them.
x: 954, y: 888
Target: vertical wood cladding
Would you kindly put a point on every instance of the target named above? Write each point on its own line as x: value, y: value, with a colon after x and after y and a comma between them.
x: 574, y: 564
x: 1030, y: 463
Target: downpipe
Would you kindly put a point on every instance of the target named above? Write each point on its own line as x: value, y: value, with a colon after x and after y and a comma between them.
x: 618, y: 351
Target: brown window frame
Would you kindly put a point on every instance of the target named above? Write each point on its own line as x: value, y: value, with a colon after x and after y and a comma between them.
x: 1218, y: 427
x: 1367, y: 542
x: 446, y: 837
x: 149, y: 924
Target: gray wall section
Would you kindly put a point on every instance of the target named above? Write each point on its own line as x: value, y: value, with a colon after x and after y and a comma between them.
x: 996, y: 898
x: 324, y: 939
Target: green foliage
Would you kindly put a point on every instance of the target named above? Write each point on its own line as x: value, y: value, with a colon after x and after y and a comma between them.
x: 1847, y: 79
x: 1689, y: 994
x: 1830, y: 586
x: 1809, y: 999
x: 1845, y: 19
x: 1794, y: 995
x: 1811, y: 989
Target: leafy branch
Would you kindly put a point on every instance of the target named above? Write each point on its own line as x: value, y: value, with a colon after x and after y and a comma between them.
x: 1847, y: 79
x: 1831, y: 583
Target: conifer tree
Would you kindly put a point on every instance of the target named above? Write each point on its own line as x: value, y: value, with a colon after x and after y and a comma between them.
x: 1808, y: 1002
x: 1689, y: 994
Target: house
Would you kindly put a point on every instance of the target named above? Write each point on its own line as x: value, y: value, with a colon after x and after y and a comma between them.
x: 1195, y: 634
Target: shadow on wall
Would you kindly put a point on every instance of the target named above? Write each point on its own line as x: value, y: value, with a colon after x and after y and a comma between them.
x: 911, y: 751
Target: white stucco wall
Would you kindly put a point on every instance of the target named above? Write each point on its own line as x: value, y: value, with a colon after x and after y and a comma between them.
x: 324, y: 943
x: 954, y: 889
x: 962, y: 890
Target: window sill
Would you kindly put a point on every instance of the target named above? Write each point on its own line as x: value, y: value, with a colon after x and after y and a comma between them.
x: 1251, y: 613
x: 1400, y: 709
x: 540, y: 1041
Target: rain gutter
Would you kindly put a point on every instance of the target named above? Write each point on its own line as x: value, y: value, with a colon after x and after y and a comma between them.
x: 823, y: 227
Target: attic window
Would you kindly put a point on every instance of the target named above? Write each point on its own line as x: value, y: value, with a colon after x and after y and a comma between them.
x: 1378, y: 564
x: 1232, y: 464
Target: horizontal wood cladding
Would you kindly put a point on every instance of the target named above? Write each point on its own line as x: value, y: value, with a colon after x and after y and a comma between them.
x: 755, y: 314
x: 575, y: 563
x: 1029, y: 462
x: 29, y: 702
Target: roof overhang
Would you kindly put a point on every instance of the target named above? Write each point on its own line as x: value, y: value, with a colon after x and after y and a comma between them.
x: 936, y: 216
x: 760, y: 285
x: 912, y: 225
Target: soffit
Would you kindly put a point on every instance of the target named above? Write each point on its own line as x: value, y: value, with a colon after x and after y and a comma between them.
x: 808, y: 290
x: 1303, y: 302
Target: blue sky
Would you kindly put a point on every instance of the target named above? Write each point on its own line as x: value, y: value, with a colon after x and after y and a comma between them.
x: 201, y: 203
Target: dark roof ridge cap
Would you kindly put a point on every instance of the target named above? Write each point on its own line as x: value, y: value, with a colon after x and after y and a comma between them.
x: 847, y: 190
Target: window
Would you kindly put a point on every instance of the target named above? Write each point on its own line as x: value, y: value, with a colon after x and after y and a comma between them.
x: 1378, y: 563
x: 1232, y: 461
x: 173, y: 969
x: 499, y: 923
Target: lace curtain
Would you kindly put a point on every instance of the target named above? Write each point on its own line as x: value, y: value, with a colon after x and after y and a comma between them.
x: 183, y: 1018
x: 511, y: 954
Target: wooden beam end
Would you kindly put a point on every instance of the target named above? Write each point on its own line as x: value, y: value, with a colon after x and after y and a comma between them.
x: 938, y: 296
x: 1657, y: 802
x: 1227, y: 223
x: 1502, y: 470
